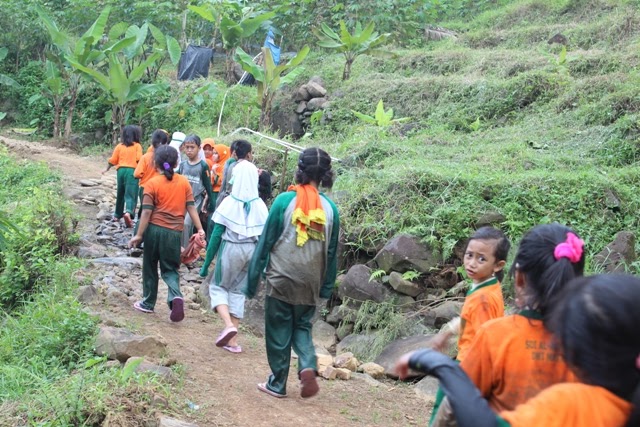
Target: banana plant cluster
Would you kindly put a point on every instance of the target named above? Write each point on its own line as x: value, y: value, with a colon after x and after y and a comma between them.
x: 361, y: 42
x: 121, y: 62
x: 4, y: 79
x: 270, y: 77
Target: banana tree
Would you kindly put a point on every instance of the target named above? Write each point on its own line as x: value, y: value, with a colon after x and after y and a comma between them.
x: 235, y: 24
x: 121, y: 88
x: 269, y: 77
x: 361, y: 42
x: 4, y: 79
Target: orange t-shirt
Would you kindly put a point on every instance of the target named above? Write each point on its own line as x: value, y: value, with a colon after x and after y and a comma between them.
x: 574, y: 404
x: 146, y: 168
x: 127, y: 157
x: 482, y: 303
x: 168, y: 200
x: 512, y: 359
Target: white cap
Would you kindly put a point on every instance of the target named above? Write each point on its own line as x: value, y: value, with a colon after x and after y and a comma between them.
x: 179, y: 137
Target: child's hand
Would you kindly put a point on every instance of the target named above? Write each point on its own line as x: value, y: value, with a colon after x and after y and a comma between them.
x: 204, y: 271
x: 135, y: 241
x: 402, y: 366
x: 439, y: 342
x: 202, y: 234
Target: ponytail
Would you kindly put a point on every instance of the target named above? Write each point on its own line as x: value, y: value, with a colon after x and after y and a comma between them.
x: 166, y: 159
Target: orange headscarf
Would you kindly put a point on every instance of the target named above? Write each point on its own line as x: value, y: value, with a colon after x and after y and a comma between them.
x: 218, y: 167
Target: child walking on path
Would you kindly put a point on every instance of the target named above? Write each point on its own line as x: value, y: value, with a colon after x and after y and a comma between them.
x: 197, y: 173
x: 125, y: 158
x: 484, y: 261
x: 146, y: 168
x: 298, y: 247
x: 238, y: 222
x: 511, y: 359
x: 166, y: 198
x: 596, y: 322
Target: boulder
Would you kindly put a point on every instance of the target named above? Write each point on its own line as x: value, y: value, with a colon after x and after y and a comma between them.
x: 445, y: 312
x: 315, y: 90
x: 372, y: 369
x: 302, y: 94
x: 254, y: 313
x: 356, y: 344
x: 403, y: 253
x: 87, y: 294
x: 344, y: 330
x: 144, y: 366
x: 343, y: 374
x: 302, y: 105
x: 317, y: 80
x: 427, y: 388
x: 347, y: 361
x: 323, y: 361
x: 127, y: 263
x: 286, y: 123
x: 490, y: 218
x: 89, y: 183
x: 329, y: 373
x: 91, y: 250
x: 396, y: 349
x: 358, y: 286
x: 617, y: 254
x: 323, y: 334
x: 338, y: 314
x: 403, y: 286
x: 203, y: 294
x: 366, y: 378
x: 315, y: 104
x: 120, y: 344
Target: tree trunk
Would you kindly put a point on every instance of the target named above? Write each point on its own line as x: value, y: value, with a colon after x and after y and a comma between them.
x: 231, y: 78
x: 57, y: 113
x: 70, y: 110
x: 114, y: 124
x: 347, y: 70
x: 265, y: 112
x: 183, y: 41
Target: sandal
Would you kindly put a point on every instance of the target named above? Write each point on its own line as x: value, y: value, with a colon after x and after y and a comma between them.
x: 177, y: 309
x: 225, y: 336
x: 263, y: 388
x: 138, y: 306
x: 233, y: 348
x: 308, y: 383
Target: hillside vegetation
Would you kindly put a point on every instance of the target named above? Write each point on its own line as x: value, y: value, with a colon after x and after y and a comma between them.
x: 502, y: 121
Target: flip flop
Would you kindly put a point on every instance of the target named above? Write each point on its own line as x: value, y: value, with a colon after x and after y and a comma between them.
x: 263, y: 388
x: 225, y: 336
x: 177, y: 310
x: 233, y: 348
x: 308, y: 383
x: 138, y: 306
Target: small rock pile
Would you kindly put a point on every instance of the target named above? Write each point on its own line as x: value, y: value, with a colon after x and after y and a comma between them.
x: 346, y: 366
x: 310, y: 97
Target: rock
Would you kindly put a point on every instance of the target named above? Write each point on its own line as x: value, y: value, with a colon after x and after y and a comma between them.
x: 323, y: 334
x: 612, y: 201
x: 127, y: 263
x: 338, y: 314
x: 366, y: 378
x: 194, y: 306
x: 617, y: 254
x: 286, y: 123
x: 329, y: 373
x: 115, y: 297
x: 191, y: 296
x: 460, y: 288
x: 89, y: 183
x: 344, y: 330
x: 346, y: 360
x: 445, y: 312
x: 490, y: 218
x: 145, y: 366
x: 315, y: 90
x: 358, y: 286
x: 205, y: 300
x: 302, y: 105
x: 159, y: 402
x: 302, y: 94
x: 315, y: 104
x: 91, y: 250
x: 254, y: 313
x: 356, y: 344
x: 192, y: 277
x: 396, y: 349
x: 87, y: 294
x: 317, y: 80
x: 343, y: 374
x: 403, y: 286
x: 404, y: 303
x: 427, y: 388
x: 403, y: 253
x: 324, y: 361
x: 121, y: 344
x: 558, y: 38
x: 172, y: 422
x: 373, y: 369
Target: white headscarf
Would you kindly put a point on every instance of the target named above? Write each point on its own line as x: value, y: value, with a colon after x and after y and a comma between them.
x: 243, y: 211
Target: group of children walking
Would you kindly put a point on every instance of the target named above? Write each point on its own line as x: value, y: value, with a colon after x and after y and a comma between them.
x: 570, y: 355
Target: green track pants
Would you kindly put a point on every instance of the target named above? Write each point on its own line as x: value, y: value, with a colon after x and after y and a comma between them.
x: 161, y: 246
x: 287, y: 326
x: 126, y: 193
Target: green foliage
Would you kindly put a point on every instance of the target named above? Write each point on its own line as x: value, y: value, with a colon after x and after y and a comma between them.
x: 381, y: 118
x: 361, y: 42
x: 410, y: 275
x: 271, y: 77
x: 377, y: 274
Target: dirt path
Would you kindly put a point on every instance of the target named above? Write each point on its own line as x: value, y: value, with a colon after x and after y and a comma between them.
x: 222, y: 384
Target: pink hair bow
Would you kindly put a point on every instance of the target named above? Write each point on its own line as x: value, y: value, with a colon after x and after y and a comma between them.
x: 570, y: 249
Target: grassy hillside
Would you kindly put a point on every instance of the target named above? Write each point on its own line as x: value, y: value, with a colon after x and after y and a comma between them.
x: 501, y: 121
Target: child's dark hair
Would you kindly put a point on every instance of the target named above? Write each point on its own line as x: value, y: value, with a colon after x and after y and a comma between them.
x: 243, y: 148
x: 502, y: 246
x: 131, y: 134
x: 166, y: 158
x: 232, y: 147
x: 596, y: 321
x: 314, y: 164
x: 159, y: 137
x: 193, y: 138
x: 545, y: 275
